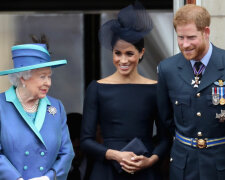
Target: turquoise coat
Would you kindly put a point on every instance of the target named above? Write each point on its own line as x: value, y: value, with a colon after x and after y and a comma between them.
x: 36, y: 149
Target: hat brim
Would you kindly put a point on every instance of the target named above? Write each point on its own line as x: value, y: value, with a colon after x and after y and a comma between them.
x: 52, y: 64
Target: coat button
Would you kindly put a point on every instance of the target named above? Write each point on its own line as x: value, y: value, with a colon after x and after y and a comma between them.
x: 41, y: 168
x: 42, y: 153
x: 27, y: 153
x: 171, y: 159
x: 198, y: 95
x: 25, y: 167
x: 199, y: 134
x: 199, y: 114
x: 176, y: 102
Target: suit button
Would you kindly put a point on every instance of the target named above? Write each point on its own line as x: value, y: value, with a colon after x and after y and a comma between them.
x: 25, y: 167
x: 41, y: 168
x: 176, y: 102
x: 198, y: 95
x: 42, y: 153
x: 27, y: 153
x: 171, y: 159
x: 199, y: 134
x: 199, y: 114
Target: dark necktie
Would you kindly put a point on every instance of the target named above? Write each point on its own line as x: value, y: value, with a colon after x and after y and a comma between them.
x: 198, y: 69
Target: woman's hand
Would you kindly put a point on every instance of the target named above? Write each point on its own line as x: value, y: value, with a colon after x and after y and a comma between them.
x: 118, y: 155
x: 138, y: 163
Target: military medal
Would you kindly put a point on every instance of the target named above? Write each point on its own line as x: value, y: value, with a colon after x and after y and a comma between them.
x: 195, y: 82
x: 222, y: 100
x: 221, y: 116
x: 197, y: 73
x: 215, y: 95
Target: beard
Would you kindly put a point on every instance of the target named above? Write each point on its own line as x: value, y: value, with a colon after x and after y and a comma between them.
x: 197, y: 52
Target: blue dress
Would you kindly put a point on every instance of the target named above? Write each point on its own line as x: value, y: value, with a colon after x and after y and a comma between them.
x: 124, y: 111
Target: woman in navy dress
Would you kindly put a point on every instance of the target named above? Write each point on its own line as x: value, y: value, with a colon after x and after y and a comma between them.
x: 124, y: 104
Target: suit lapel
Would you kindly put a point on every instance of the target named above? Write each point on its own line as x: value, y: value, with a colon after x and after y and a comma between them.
x: 213, y: 71
x: 185, y: 70
x: 11, y: 97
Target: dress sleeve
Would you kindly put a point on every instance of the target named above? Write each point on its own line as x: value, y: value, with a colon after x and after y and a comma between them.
x: 63, y: 162
x: 163, y: 139
x: 7, y: 170
x: 89, y: 124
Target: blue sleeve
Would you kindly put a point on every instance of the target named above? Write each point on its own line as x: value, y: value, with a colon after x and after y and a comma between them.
x: 7, y: 170
x: 89, y: 124
x: 63, y: 162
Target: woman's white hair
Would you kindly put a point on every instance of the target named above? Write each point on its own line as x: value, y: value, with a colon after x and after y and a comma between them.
x: 14, y: 78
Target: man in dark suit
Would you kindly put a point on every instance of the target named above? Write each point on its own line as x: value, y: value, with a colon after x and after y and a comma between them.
x: 191, y: 98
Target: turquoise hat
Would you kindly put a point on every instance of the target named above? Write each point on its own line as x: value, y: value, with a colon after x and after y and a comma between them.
x: 31, y: 56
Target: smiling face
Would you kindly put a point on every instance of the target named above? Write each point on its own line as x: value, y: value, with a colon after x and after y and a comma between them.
x: 38, y: 84
x: 193, y: 44
x: 126, y: 57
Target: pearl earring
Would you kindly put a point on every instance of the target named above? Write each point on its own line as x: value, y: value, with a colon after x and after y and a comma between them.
x: 24, y: 85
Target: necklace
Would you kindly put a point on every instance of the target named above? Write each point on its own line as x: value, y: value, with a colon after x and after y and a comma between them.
x: 31, y: 109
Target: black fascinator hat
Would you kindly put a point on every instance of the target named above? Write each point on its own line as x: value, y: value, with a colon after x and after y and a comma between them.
x: 131, y: 25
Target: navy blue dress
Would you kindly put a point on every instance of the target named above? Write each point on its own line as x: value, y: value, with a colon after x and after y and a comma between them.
x: 124, y: 111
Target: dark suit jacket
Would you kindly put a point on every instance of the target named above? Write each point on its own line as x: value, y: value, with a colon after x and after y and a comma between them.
x: 179, y: 105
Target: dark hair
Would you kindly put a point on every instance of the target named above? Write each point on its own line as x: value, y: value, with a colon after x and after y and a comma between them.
x: 139, y: 45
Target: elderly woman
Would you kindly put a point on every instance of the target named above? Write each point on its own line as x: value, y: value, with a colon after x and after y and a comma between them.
x: 124, y: 104
x: 34, y: 137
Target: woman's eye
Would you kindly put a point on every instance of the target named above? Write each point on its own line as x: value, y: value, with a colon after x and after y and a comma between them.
x: 117, y: 53
x: 130, y: 54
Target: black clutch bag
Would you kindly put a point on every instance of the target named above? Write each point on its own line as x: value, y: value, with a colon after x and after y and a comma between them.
x: 136, y: 146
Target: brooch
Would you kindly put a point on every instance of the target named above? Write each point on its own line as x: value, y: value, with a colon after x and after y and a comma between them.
x: 221, y: 116
x: 52, y: 110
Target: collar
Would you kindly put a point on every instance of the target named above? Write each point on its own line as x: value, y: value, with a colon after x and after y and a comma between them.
x: 206, y: 58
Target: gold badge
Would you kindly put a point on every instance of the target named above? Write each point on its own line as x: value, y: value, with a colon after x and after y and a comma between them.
x: 220, y: 82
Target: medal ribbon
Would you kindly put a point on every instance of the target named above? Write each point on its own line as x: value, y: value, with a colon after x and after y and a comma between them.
x: 221, y: 92
x: 201, y: 68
